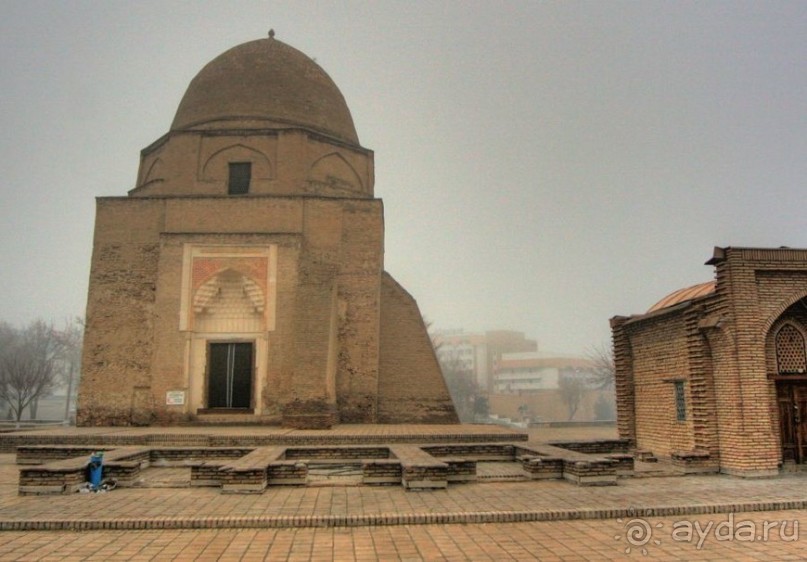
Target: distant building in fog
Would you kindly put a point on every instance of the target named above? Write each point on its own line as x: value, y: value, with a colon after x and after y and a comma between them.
x: 478, y: 353
x: 516, y: 373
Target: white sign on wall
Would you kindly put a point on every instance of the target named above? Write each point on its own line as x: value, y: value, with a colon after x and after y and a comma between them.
x: 175, y: 398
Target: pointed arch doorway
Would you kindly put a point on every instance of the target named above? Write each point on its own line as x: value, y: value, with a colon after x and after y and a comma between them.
x: 228, y: 316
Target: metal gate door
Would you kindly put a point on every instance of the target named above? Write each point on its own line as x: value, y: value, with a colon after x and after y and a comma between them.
x: 230, y: 375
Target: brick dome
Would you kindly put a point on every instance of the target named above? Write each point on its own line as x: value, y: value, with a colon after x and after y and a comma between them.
x: 265, y: 81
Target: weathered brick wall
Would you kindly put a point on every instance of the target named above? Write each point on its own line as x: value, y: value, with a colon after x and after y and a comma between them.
x: 702, y: 392
x: 743, y: 401
x: 411, y: 388
x: 760, y: 285
x: 623, y: 380
x: 590, y: 472
x: 123, y: 321
x: 476, y: 450
x: 542, y: 467
x: 325, y: 348
x: 381, y: 472
x: 180, y: 454
x: 311, y: 379
x: 596, y: 446
x: 205, y: 474
x: 344, y: 452
x: 38, y: 454
x: 359, y: 311
x: 284, y: 162
x: 287, y: 472
x: 659, y: 357
x: 118, y: 340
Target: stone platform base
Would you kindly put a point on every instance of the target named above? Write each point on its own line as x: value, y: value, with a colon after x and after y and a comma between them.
x: 252, y: 459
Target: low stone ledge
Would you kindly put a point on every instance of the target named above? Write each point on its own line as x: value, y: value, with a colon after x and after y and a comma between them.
x: 595, y: 446
x: 380, y: 472
x: 40, y: 454
x: 477, y: 451
x: 248, y: 474
x: 541, y: 467
x: 696, y: 461
x: 337, y: 452
x: 460, y: 469
x: 123, y: 463
x: 205, y: 473
x: 581, y: 468
x: 179, y: 456
x: 287, y: 473
x: 644, y: 455
x: 624, y: 463
x: 595, y: 472
x: 420, y: 471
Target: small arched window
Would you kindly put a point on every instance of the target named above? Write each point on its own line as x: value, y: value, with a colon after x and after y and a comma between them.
x: 790, y: 353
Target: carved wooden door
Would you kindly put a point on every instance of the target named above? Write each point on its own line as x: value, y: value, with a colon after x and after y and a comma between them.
x: 792, y: 400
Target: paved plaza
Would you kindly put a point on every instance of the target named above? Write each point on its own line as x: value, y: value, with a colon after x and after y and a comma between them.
x: 727, y: 518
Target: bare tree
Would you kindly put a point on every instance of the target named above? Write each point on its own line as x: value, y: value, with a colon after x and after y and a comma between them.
x: 459, y: 378
x: 433, y: 336
x: 571, y: 393
x: 7, y: 338
x: 27, y: 364
x: 481, y: 407
x: 604, y: 408
x: 460, y: 382
x: 69, y: 358
x: 603, y: 367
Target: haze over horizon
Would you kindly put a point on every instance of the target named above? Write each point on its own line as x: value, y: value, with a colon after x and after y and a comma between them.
x: 543, y: 166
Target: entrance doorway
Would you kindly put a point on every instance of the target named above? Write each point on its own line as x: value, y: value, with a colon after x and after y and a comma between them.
x: 229, y: 380
x: 792, y: 400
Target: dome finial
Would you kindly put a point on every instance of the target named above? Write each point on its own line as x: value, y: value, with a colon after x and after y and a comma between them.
x: 271, y: 34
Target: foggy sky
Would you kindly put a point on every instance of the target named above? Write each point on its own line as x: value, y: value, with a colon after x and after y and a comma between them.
x: 544, y: 166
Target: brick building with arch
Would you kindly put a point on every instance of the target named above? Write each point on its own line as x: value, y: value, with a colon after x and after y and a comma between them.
x: 714, y: 377
x: 242, y: 279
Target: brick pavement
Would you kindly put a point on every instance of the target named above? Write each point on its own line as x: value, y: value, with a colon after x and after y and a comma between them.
x: 547, y: 520
x: 557, y: 540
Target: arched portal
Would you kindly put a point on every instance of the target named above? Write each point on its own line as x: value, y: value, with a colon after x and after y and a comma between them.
x: 228, y: 308
x: 786, y: 357
x: 228, y: 316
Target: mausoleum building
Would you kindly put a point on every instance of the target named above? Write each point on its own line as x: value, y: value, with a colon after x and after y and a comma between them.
x: 242, y: 278
x: 714, y: 377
